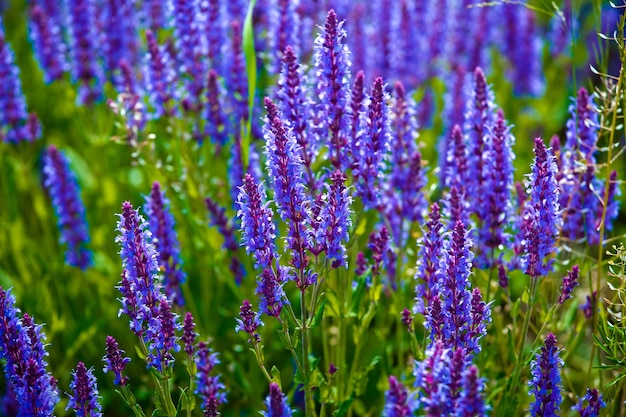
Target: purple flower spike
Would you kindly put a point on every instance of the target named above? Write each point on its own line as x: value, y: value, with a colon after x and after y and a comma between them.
x: 160, y: 77
x: 257, y: 226
x: 332, y: 63
x: 471, y: 402
x: 156, y: 15
x: 84, y: 398
x: 210, y: 407
x: 219, y: 220
x: 594, y: 404
x: 62, y: 187
x: 545, y: 384
x: 379, y: 245
x: 398, y: 401
x: 456, y: 163
x: 583, y: 127
x: 542, y: 216
x: 286, y: 170
x: 283, y: 30
x: 296, y: 107
x: 187, y: 30
x: 48, y: 44
x: 407, y: 319
x: 86, y: 68
x: 590, y: 305
x: 161, y: 338
x: 481, y: 316
x: 208, y: 385
x: 216, y: 127
x: 503, y: 279
x: 569, y: 282
x: 276, y: 403
x: 432, y: 377
x: 122, y: 39
x: 479, y: 115
x: 115, y: 361
x: 335, y: 220
x: 429, y: 269
x: 270, y: 291
x: 165, y: 240
x: 357, y: 108
x: 495, y: 208
x: 15, y: 123
x: 189, y: 335
x: 23, y: 351
x: 249, y: 320
x: 373, y: 147
x: 456, y: 289
x: 235, y: 74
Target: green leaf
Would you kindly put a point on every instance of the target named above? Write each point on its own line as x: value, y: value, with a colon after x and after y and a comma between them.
x: 316, y: 379
x: 158, y: 406
x: 357, y: 297
x: 275, y: 374
x: 344, y: 407
x: 317, y: 318
x: 250, y: 55
x: 183, y: 400
x: 515, y: 309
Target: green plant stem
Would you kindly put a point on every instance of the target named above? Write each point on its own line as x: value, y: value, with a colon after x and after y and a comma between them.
x: 130, y: 400
x: 518, y: 363
x: 260, y: 359
x: 308, y: 394
x: 341, y: 339
x: 161, y: 385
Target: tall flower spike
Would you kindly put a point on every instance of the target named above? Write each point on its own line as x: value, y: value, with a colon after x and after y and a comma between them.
x: 165, y: 239
x: 479, y: 115
x: 62, y: 187
x: 594, y: 404
x: 189, y: 335
x: 398, y: 401
x: 257, y: 227
x: 335, y: 220
x: 115, y: 361
x: 249, y: 320
x: 208, y: 383
x: 119, y: 22
x: 285, y: 169
x: 235, y: 75
x: 159, y: 77
x: 542, y: 217
x: 456, y: 164
x: 276, y: 403
x: 357, y: 107
x: 456, y: 290
x: 161, y: 339
x: 332, y: 63
x: 432, y: 378
x: 84, y: 397
x: 48, y: 45
x: 140, y: 285
x: 429, y: 269
x: 86, y: 68
x: 283, y: 27
x: 582, y: 127
x: 295, y: 107
x: 545, y: 384
x: 471, y: 402
x: 216, y: 127
x: 270, y: 291
x: 569, y: 282
x: 495, y: 208
x: 15, y: 123
x: 373, y: 147
x: 23, y: 351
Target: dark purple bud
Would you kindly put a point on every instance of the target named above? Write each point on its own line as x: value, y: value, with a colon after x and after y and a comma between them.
x: 115, y: 361
x: 249, y: 320
x: 407, y: 319
x: 569, y: 282
x: 189, y: 335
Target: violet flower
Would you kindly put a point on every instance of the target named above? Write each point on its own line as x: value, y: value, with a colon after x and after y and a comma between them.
x: 429, y: 268
x: 569, y: 282
x: 456, y: 163
x: 156, y: 15
x: 283, y: 28
x: 62, y: 187
x: 84, y: 397
x: 249, y: 320
x: 335, y: 220
x: 159, y: 77
x: 115, y: 361
x: 270, y: 291
x: 189, y: 335
x: 219, y: 220
x: 432, y: 378
x: 23, y: 351
x: 235, y: 76
x: 215, y: 32
x: 85, y: 41
x: 208, y: 384
x: 165, y: 240
x: 257, y: 227
x: 398, y: 401
x: 373, y: 147
x: 332, y: 63
x: 495, y: 207
x: 216, y: 127
x: 356, y: 110
x: 285, y: 170
x: 48, y: 45
x: 119, y: 22
x: 471, y: 401
x: 16, y: 125
x: 594, y: 404
x: 296, y: 107
x: 545, y: 385
x: 583, y: 127
x: 276, y: 403
x: 541, y: 213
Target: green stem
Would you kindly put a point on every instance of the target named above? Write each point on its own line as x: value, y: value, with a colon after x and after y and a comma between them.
x: 308, y: 394
x: 341, y: 340
x: 518, y: 362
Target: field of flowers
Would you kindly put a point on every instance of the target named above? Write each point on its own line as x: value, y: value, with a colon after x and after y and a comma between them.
x: 312, y: 208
